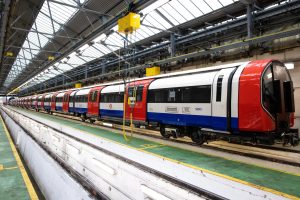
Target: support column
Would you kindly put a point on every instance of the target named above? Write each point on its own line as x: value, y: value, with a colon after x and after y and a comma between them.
x: 86, y: 72
x: 103, y: 69
x: 249, y: 21
x: 172, y: 45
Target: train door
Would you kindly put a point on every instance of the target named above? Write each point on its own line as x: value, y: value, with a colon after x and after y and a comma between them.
x: 93, y: 101
x: 53, y: 102
x: 136, y: 96
x: 65, y: 104
x: 66, y: 100
x: 221, y: 100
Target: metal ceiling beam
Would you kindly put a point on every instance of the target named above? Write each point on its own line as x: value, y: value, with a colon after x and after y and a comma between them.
x: 49, y: 34
x: 107, y: 25
x: 80, y: 8
x: 4, y: 19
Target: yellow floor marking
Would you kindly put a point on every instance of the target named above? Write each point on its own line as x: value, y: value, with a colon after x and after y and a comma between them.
x: 201, y: 169
x: 7, y: 168
x: 150, y: 146
x: 29, y: 186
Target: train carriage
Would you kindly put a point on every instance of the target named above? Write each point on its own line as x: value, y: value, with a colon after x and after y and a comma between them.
x: 53, y: 102
x: 94, y: 102
x: 39, y: 102
x: 236, y: 99
x: 111, y: 104
x: 80, y: 102
x: 72, y: 102
x: 47, y: 102
x: 66, y: 101
x: 249, y: 99
x: 59, y: 101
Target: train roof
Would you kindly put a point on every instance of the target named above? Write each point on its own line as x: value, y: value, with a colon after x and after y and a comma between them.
x: 192, y: 71
x: 183, y: 81
x: 113, y: 88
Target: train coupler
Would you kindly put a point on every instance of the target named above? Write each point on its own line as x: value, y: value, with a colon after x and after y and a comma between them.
x: 291, y: 138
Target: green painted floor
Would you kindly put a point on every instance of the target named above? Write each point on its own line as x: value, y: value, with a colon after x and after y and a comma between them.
x: 268, y: 178
x: 12, y: 186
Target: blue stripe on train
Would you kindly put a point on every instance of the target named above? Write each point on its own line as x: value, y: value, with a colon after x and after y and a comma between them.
x: 80, y: 110
x: 71, y: 109
x: 59, y: 108
x: 217, y: 123
x: 111, y: 113
x: 47, y: 107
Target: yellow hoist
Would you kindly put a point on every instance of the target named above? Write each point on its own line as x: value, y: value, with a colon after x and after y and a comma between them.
x: 128, y: 24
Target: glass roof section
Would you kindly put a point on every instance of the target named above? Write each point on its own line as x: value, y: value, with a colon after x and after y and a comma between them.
x: 160, y: 16
x: 49, y: 21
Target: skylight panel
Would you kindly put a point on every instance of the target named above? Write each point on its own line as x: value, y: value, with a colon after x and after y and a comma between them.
x: 154, y: 6
x: 116, y: 42
x: 101, y: 48
x: 141, y: 31
x: 75, y: 61
x: 92, y: 52
x: 168, y: 15
x: 214, y: 4
x: 174, y: 13
x: 58, y: 8
x: 184, y: 13
x: 202, y: 6
x: 161, y: 20
x: 226, y: 2
x: 64, y: 67
x: 155, y: 21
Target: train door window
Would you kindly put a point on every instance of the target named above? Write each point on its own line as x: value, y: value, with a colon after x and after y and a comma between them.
x: 91, y: 95
x: 268, y: 97
x: 139, y: 93
x: 219, y: 88
x: 136, y: 92
x: 94, y: 96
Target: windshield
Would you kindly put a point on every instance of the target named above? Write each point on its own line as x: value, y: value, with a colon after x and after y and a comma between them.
x: 275, y: 71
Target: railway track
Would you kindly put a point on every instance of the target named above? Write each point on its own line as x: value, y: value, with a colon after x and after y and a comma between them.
x: 277, y: 154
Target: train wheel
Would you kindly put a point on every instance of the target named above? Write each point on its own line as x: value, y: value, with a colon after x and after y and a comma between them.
x: 163, y: 132
x: 197, y: 136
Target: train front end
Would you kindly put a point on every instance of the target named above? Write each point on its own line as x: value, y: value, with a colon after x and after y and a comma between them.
x: 277, y: 99
x: 266, y: 102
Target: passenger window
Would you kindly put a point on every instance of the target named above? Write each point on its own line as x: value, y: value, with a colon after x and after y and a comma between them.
x: 172, y: 95
x: 219, y: 88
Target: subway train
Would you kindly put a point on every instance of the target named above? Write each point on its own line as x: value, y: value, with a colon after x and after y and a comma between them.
x: 250, y: 100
